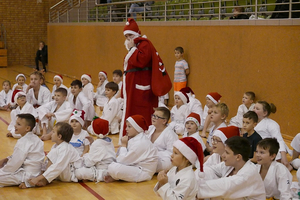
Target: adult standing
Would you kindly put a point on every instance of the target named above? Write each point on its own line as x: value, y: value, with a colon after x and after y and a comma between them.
x: 145, y: 77
x: 41, y: 55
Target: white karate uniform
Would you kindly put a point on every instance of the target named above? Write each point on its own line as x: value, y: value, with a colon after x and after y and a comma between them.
x: 195, y: 106
x: 178, y: 116
x: 62, y: 114
x: 197, y: 137
x: 5, y: 98
x: 27, y: 108
x: 246, y: 184
x: 161, y: 100
x: 83, y: 103
x: 212, y: 160
x: 110, y: 111
x: 135, y: 163
x: 181, y: 185
x: 65, y: 159
x: 119, y: 87
x: 99, y: 96
x: 296, y: 146
x: 212, y: 130
x: 277, y: 181
x: 268, y: 128
x: 25, y: 162
x: 164, y: 144
x: 80, y: 141
x: 88, y: 91
x: 61, y: 86
x: 24, y: 86
x: 44, y: 96
x: 238, y: 119
x: 95, y: 163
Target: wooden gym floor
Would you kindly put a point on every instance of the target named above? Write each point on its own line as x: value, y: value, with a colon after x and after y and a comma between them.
x: 58, y: 190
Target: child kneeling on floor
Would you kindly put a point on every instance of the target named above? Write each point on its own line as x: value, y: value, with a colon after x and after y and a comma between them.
x: 137, y: 157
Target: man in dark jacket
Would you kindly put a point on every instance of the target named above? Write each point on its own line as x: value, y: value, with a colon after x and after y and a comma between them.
x: 41, y: 55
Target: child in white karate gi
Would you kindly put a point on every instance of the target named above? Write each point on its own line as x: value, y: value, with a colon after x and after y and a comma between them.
x: 295, y: 162
x: 179, y: 112
x: 212, y: 99
x: 162, y: 137
x: 163, y: 100
x: 79, y: 138
x: 101, y: 154
x: 277, y: 178
x: 37, y: 95
x: 87, y: 86
x: 20, y: 85
x: 5, y: 96
x: 99, y: 96
x: 58, y: 83
x: 117, y: 78
x: 235, y: 178
x: 180, y: 181
x: 27, y: 158
x: 137, y: 157
x: 246, y: 106
x: 23, y: 107
x: 62, y: 158
x: 55, y: 111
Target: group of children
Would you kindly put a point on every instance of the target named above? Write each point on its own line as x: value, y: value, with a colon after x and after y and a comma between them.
x: 224, y: 162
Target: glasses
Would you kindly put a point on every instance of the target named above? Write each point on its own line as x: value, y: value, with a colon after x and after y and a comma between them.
x: 156, y: 117
x: 21, y: 97
x: 215, y: 141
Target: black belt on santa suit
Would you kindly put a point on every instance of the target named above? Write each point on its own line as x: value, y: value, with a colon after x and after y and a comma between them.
x: 138, y: 69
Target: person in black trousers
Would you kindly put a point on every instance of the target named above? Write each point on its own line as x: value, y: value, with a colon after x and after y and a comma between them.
x: 41, y: 55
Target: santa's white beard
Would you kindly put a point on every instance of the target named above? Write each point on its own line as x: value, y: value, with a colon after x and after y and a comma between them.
x: 127, y: 41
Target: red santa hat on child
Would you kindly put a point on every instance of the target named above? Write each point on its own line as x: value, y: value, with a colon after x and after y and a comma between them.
x: 131, y: 27
x: 19, y: 76
x: 138, y: 122
x: 103, y: 73
x: 191, y: 149
x: 59, y: 77
x: 78, y: 115
x: 16, y: 94
x: 214, y: 96
x: 187, y: 90
x: 183, y: 96
x: 195, y: 118
x: 100, y: 127
x: 87, y: 76
x: 227, y: 132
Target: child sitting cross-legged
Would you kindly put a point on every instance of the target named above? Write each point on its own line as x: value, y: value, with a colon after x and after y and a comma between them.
x: 62, y: 158
x: 180, y: 181
x: 137, y: 157
x: 101, y: 154
x: 27, y: 158
x: 277, y: 178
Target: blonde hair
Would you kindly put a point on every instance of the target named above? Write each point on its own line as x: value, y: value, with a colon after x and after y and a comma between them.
x: 223, y: 108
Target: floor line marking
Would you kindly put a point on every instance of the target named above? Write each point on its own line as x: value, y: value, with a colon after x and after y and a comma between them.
x: 91, y: 191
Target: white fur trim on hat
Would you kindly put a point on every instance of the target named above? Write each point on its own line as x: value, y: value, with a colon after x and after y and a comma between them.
x: 87, y: 77
x: 135, y: 125
x: 103, y: 73
x: 186, y: 151
x: 193, y: 119
x: 77, y: 115
x: 21, y: 93
x: 19, y: 76
x: 181, y: 96
x: 221, y: 135
x: 131, y: 32
x: 59, y: 77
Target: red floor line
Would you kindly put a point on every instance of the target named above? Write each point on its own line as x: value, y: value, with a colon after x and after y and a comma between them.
x: 4, y: 121
x: 91, y: 191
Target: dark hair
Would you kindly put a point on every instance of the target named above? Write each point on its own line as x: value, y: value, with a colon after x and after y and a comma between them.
x: 113, y: 86
x: 118, y: 72
x: 165, y: 111
x: 223, y: 108
x: 240, y: 9
x: 6, y: 81
x: 250, y: 94
x: 239, y: 145
x: 29, y: 118
x: 42, y: 42
x: 63, y: 91
x: 269, y: 108
x: 251, y: 115
x: 77, y: 82
x: 65, y: 130
x: 37, y: 73
x: 270, y: 144
x: 180, y: 49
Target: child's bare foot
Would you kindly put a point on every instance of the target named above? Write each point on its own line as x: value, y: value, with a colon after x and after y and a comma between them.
x: 42, y: 183
x: 203, y: 135
x: 8, y: 135
x: 22, y: 186
x: 45, y: 137
x: 108, y: 179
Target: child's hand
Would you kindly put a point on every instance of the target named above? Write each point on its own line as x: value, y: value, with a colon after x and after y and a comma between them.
x: 49, y: 115
x: 9, y: 135
x: 22, y: 186
x: 3, y: 162
x: 124, y: 141
x: 19, y: 87
x: 162, y: 178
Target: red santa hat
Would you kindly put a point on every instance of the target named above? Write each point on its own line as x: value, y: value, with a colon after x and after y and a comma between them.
x: 103, y: 73
x: 187, y: 90
x: 131, y: 27
x: 191, y: 149
x: 183, y: 96
x: 78, y: 115
x: 87, y: 76
x: 16, y: 94
x: 195, y: 118
x: 214, y: 96
x: 100, y: 127
x: 227, y: 132
x: 138, y: 122
x: 59, y: 77
x: 19, y: 76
